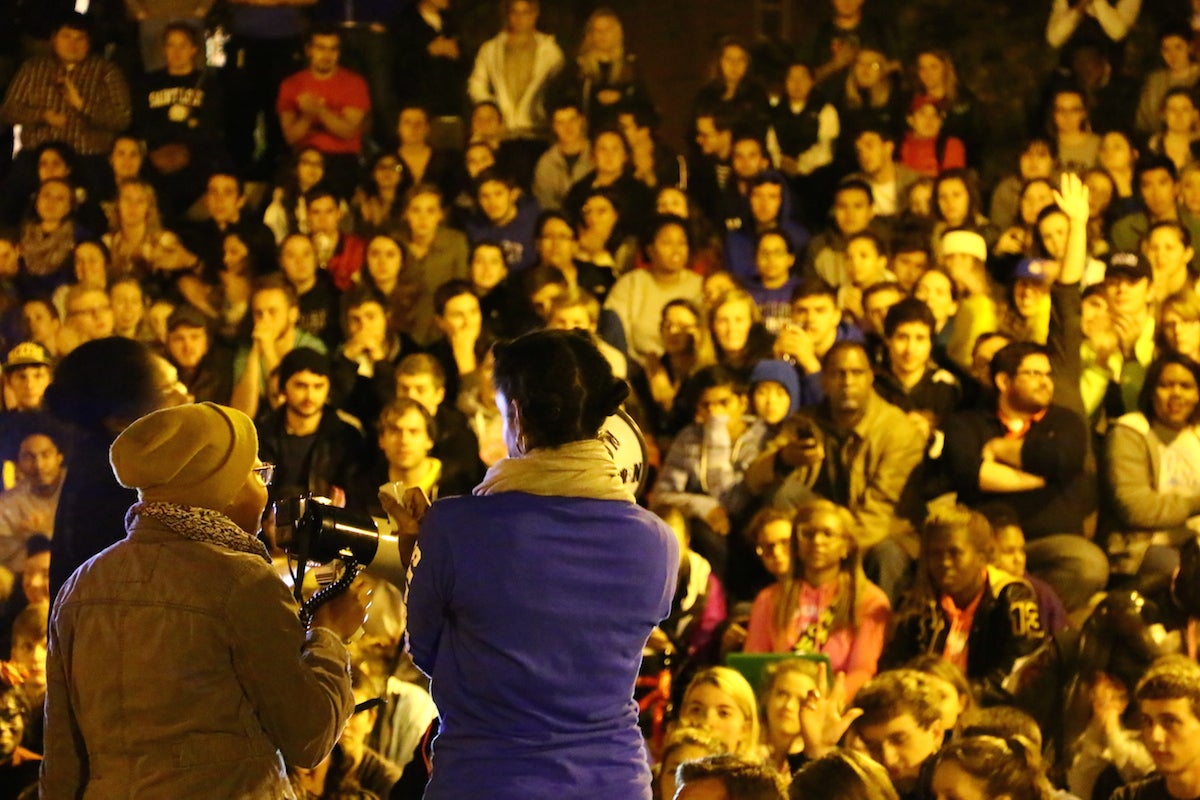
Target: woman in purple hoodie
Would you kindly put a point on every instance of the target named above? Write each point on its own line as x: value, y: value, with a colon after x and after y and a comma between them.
x: 531, y: 601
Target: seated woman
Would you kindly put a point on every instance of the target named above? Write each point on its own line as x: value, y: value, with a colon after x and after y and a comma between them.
x: 603, y: 243
x: 287, y: 212
x: 1153, y: 466
x: 92, y: 268
x: 786, y: 688
x: 975, y: 616
x: 686, y: 350
x: 706, y: 245
x: 376, y: 204
x: 1179, y: 129
x: 956, y: 207
x: 384, y: 272
x: 1017, y: 239
x: 421, y: 161
x: 638, y: 297
x: 1179, y: 325
x: 141, y: 248
x: 739, y: 336
x: 613, y: 172
x: 826, y: 604
x: 720, y: 700
x: 606, y: 78
x: 48, y: 237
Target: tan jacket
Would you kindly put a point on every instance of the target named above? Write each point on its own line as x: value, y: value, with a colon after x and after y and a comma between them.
x: 180, y: 669
x: 881, y: 455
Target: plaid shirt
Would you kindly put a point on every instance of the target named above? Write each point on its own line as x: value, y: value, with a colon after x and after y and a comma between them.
x: 37, y: 88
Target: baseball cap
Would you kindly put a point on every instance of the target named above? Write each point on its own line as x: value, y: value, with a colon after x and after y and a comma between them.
x: 1132, y: 266
x: 27, y: 354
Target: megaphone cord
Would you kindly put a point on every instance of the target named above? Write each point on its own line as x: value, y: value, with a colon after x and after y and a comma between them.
x: 308, y: 608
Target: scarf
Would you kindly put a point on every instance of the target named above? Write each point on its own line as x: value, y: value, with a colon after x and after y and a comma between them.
x: 200, y: 525
x: 575, y: 469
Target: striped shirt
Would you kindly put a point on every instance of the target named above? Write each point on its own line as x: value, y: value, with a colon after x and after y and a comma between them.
x: 38, y: 88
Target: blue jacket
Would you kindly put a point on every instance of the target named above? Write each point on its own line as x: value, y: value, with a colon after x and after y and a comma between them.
x: 529, y: 614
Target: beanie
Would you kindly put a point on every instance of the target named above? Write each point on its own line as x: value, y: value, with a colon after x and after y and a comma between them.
x: 780, y: 372
x: 968, y: 242
x: 195, y: 455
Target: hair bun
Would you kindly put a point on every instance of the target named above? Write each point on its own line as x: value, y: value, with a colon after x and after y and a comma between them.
x: 612, y: 399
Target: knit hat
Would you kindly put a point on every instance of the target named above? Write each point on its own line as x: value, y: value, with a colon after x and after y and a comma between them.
x: 968, y: 242
x: 780, y: 372
x: 195, y: 455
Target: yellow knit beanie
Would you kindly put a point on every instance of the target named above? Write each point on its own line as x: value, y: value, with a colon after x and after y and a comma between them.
x: 196, y: 455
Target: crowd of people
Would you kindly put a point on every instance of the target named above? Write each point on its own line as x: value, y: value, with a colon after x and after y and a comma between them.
x: 932, y: 461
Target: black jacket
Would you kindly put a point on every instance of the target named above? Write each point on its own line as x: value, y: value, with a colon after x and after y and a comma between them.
x: 337, y: 454
x: 1006, y: 626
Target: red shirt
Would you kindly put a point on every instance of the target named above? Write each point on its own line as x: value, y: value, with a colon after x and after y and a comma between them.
x: 341, y: 90
x: 921, y: 154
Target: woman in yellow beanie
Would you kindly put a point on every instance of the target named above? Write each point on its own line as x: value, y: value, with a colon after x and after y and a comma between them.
x: 178, y: 666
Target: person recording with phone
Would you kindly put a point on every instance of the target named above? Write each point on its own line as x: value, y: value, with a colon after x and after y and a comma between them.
x: 178, y: 665
x: 530, y: 602
x: 855, y: 449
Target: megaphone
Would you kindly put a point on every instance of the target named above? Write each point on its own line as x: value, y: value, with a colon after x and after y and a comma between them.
x: 312, y: 531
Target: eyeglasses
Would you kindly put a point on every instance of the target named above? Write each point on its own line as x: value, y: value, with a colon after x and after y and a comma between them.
x: 810, y: 534
x: 266, y: 472
x: 1037, y: 373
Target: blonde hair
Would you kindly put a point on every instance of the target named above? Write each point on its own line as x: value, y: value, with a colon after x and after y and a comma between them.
x: 735, y: 685
x: 588, y: 63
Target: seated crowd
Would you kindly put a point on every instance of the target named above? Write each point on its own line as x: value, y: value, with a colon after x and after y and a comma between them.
x: 935, y: 474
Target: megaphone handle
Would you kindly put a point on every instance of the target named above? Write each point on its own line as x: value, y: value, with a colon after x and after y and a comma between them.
x: 308, y: 608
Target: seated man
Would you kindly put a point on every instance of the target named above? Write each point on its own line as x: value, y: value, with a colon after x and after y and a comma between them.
x: 567, y: 160
x: 728, y: 777
x: 853, y: 212
x: 204, y: 367
x: 973, y: 615
x: 315, y: 448
x: 316, y: 296
x: 875, y: 148
x: 702, y: 474
x: 420, y: 377
x: 276, y: 312
x: 1168, y: 698
x: 901, y: 726
x: 816, y: 325
x: 506, y: 216
x: 857, y: 450
x: 364, y: 368
x: 407, y: 433
x: 19, y: 765
x: 325, y: 106
x: 911, y: 380
x: 89, y: 317
x: 28, y: 508
x: 25, y: 377
x: 342, y: 255
x: 464, y: 342
x: 1031, y: 454
x: 768, y: 209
